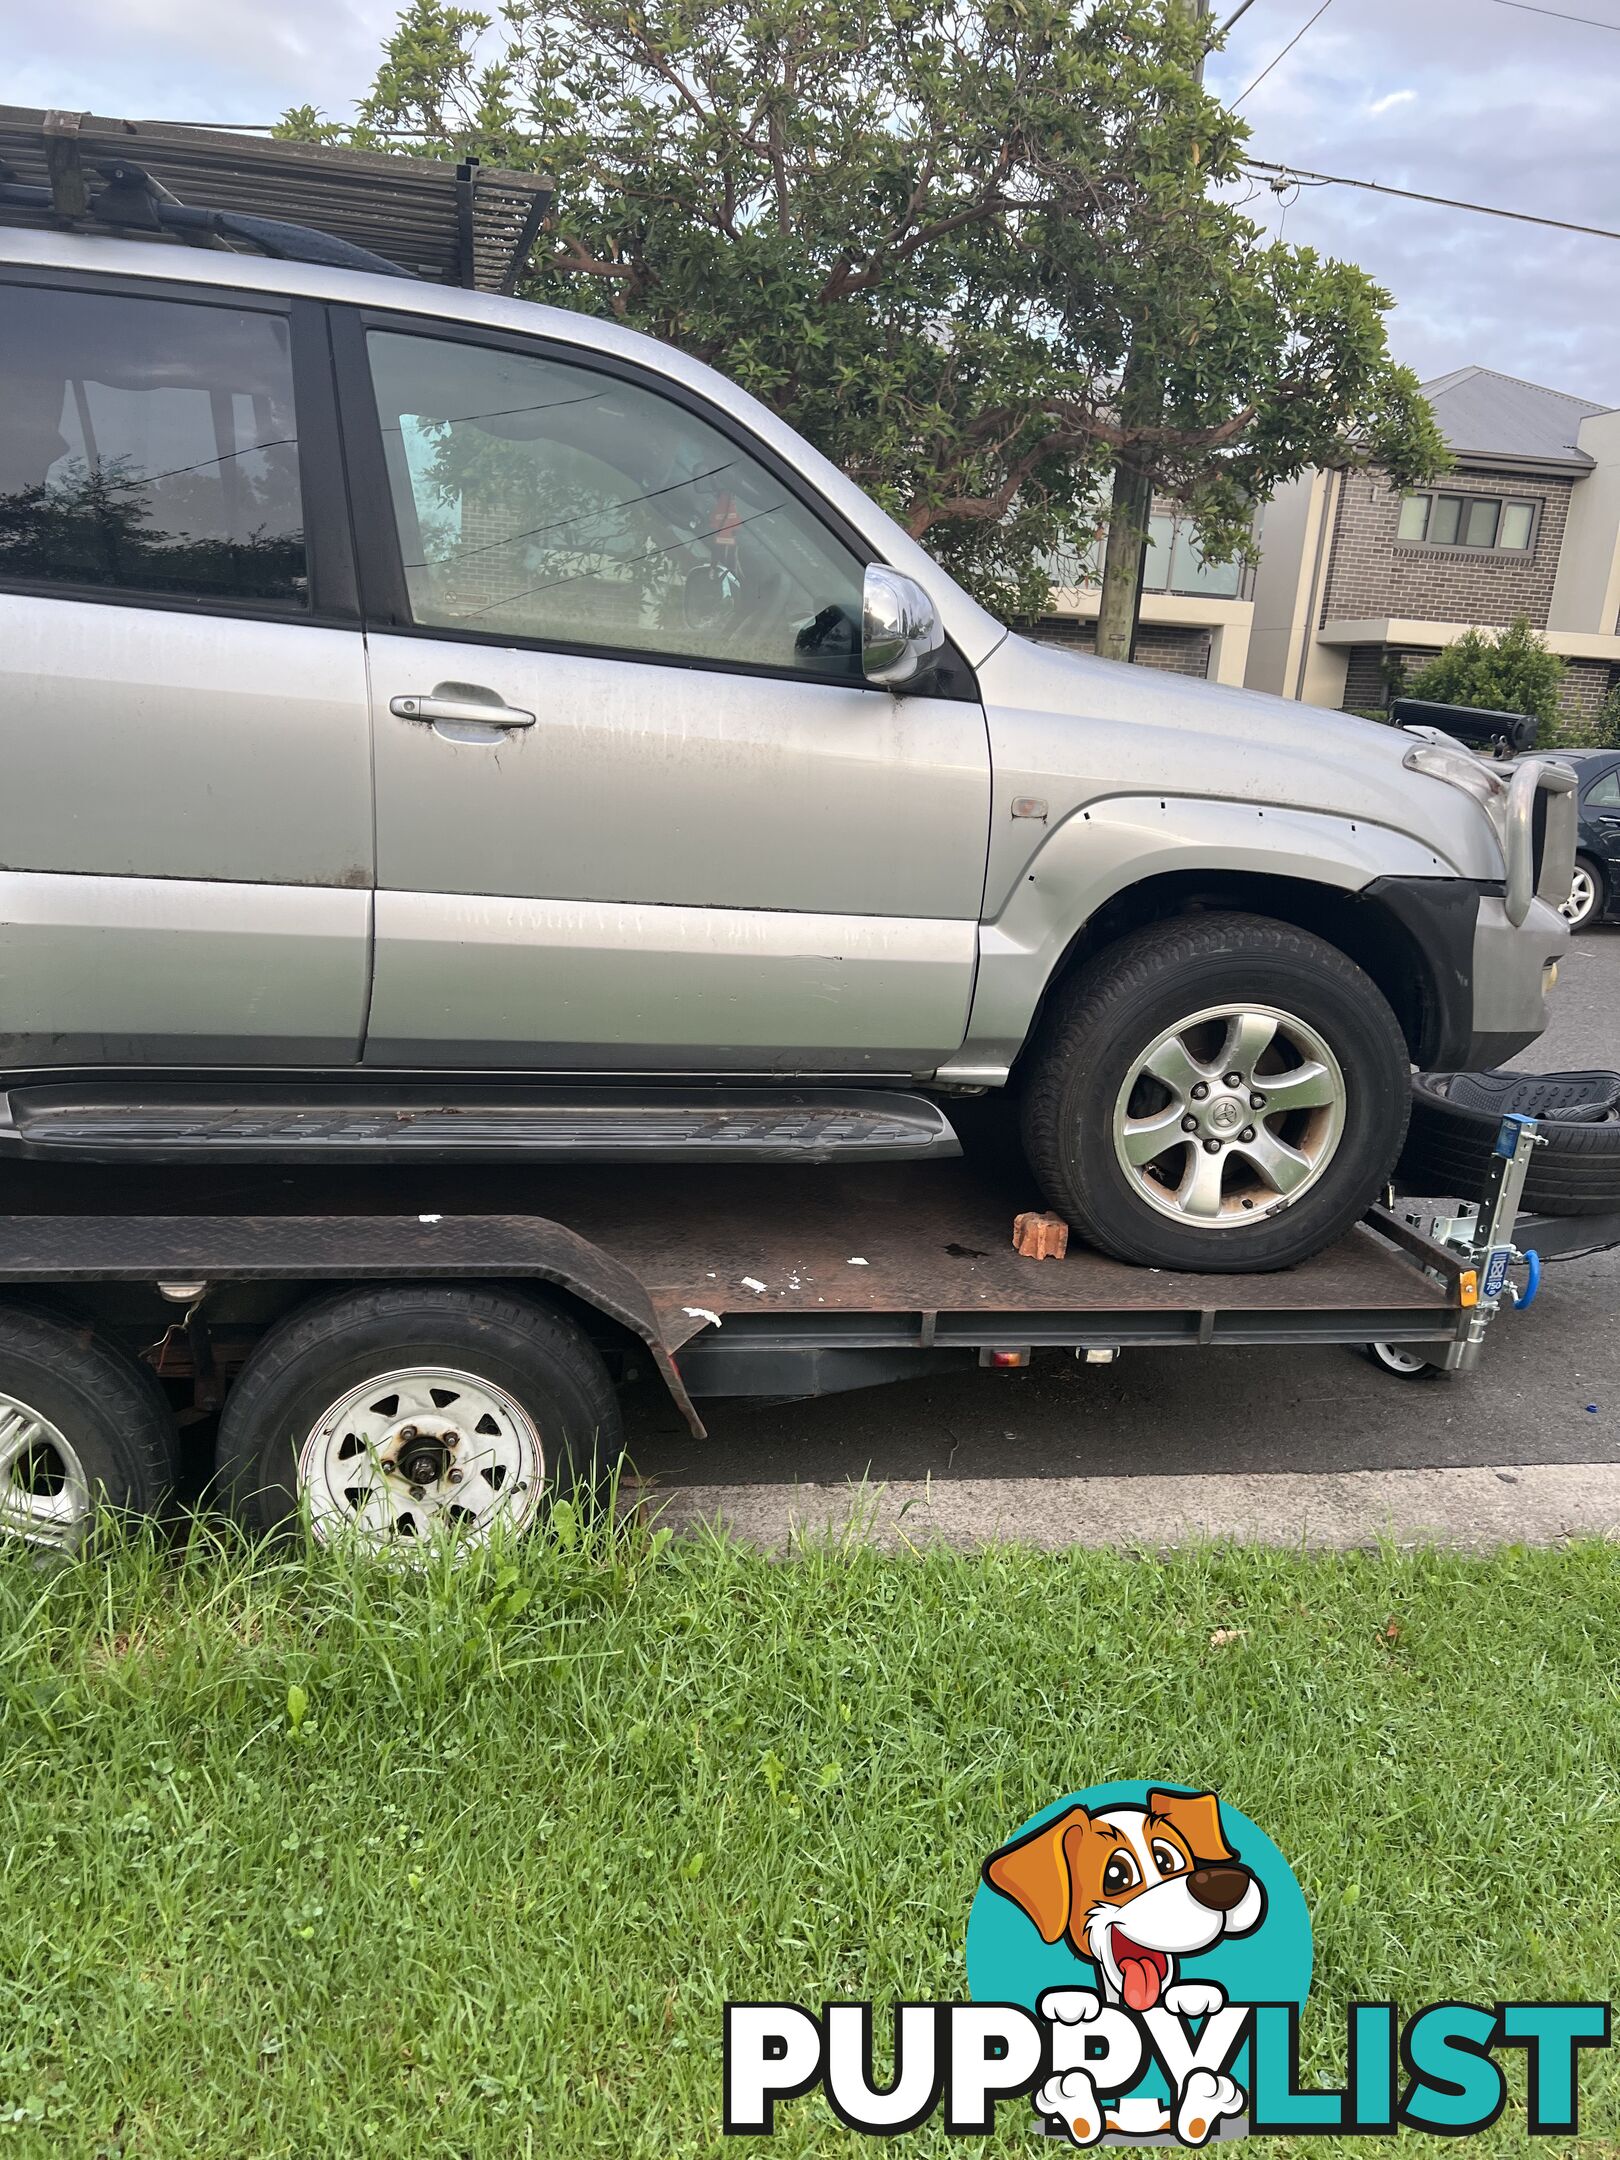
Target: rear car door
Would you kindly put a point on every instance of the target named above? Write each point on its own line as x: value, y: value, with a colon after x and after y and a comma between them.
x: 185, y: 809
x: 637, y: 809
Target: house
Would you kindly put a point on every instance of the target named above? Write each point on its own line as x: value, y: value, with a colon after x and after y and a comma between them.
x: 1359, y: 584
x: 1195, y: 616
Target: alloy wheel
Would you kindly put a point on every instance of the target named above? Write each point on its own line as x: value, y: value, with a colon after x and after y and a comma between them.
x: 1582, y: 897
x: 44, y: 1493
x: 1229, y: 1115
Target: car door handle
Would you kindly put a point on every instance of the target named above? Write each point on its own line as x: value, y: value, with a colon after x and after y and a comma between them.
x: 466, y: 709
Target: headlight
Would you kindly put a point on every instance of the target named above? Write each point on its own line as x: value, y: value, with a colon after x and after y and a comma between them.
x: 1459, y: 768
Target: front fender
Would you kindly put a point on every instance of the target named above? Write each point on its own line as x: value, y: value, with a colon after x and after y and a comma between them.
x: 1097, y: 853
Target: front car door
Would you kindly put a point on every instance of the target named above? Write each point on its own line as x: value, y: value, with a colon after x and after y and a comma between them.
x: 688, y: 836
x: 185, y: 788
x: 1600, y: 809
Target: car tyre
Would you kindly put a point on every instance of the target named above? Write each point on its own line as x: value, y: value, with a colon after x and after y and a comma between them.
x: 82, y: 1426
x: 1451, y: 1147
x: 394, y: 1412
x: 1287, y: 1184
x: 1588, y: 900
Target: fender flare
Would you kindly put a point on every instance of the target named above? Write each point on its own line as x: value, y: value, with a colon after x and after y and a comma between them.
x: 1120, y: 841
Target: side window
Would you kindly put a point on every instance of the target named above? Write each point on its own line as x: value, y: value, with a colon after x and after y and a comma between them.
x: 541, y: 499
x: 1605, y: 795
x: 149, y: 445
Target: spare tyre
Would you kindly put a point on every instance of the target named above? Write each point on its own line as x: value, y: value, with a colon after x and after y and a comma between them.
x: 1456, y: 1117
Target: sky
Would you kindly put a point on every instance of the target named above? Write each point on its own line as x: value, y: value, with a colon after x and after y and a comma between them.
x: 1474, y: 99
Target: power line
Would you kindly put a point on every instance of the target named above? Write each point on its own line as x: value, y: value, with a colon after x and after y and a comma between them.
x: 1527, y: 7
x: 1446, y: 202
x: 1283, y: 55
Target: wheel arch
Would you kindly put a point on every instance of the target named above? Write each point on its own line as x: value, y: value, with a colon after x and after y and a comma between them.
x: 1361, y: 925
x: 1127, y: 860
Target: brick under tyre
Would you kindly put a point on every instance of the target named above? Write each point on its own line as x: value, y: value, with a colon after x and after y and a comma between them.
x: 1218, y: 1093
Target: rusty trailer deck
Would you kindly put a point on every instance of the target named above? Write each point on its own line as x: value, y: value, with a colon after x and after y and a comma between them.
x: 760, y: 1280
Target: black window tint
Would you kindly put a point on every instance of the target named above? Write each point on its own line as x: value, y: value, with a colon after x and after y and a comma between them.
x: 148, y: 444
x: 539, y: 499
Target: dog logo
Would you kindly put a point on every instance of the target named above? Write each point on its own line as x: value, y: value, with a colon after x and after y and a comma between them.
x: 1138, y: 1959
x: 1132, y: 1919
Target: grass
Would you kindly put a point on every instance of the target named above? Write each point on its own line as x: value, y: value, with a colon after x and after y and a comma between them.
x: 304, y: 1858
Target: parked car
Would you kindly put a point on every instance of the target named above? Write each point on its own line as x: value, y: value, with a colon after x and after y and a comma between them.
x: 1594, y: 895
x: 433, y: 723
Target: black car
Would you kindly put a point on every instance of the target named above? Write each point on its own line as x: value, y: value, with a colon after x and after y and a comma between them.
x: 1595, y: 895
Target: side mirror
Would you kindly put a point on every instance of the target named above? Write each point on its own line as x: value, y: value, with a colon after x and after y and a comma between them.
x: 901, y: 640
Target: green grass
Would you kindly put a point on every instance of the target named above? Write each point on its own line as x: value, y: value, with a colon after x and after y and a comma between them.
x: 306, y: 1859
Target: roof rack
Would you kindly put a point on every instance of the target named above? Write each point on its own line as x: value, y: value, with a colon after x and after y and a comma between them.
x: 304, y: 202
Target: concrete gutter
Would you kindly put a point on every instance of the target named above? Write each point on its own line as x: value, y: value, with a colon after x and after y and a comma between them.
x: 1469, y: 1509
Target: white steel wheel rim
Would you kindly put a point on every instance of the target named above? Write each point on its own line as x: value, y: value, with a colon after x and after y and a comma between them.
x: 1399, y: 1359
x: 1582, y: 896
x: 421, y: 1454
x: 44, y: 1492
x: 1229, y: 1116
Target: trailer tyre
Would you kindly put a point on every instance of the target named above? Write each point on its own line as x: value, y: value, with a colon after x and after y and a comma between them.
x: 1220, y: 1092
x: 82, y: 1426
x: 409, y: 1411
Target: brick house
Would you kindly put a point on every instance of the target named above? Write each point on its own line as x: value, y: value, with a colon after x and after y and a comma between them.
x: 1195, y: 615
x: 1359, y: 584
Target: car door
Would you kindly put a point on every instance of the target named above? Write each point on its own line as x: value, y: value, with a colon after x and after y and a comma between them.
x: 1600, y: 810
x: 637, y: 809
x: 185, y: 791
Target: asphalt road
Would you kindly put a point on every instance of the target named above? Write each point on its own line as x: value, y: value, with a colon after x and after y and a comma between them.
x: 1239, y: 1424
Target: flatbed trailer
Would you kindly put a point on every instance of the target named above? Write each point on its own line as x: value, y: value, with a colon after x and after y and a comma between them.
x: 717, y: 1280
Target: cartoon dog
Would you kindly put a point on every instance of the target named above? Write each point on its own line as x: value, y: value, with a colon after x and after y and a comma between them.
x: 1135, y: 1889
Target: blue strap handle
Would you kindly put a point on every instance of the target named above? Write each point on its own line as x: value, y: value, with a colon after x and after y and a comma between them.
x: 1532, y: 1281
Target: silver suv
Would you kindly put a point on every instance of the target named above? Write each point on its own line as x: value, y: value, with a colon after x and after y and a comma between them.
x: 431, y: 722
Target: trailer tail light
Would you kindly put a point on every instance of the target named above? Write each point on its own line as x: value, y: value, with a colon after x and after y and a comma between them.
x: 1004, y: 1360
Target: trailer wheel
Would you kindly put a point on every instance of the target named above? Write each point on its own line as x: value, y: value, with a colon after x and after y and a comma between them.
x: 410, y: 1411
x: 82, y: 1426
x: 1405, y: 1361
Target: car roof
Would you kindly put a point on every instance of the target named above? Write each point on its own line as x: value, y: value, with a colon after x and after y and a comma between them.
x: 974, y: 631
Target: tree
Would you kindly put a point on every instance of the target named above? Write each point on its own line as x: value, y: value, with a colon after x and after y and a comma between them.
x: 931, y: 234
x: 1504, y: 671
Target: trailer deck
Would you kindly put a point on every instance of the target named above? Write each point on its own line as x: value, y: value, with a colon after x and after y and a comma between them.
x: 758, y: 1278
x: 780, y: 1281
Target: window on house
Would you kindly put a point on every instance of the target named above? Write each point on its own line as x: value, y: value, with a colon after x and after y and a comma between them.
x: 1467, y: 521
x: 1175, y: 563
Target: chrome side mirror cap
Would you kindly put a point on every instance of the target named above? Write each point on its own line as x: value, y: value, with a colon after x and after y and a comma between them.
x: 901, y: 639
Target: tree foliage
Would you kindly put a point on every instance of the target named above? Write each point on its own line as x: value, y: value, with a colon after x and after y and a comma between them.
x: 929, y: 233
x: 1507, y: 670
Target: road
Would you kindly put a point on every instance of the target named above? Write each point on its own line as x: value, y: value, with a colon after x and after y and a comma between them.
x: 1288, y: 1444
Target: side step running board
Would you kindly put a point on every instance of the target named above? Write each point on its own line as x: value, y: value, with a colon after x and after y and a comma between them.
x: 100, y: 1123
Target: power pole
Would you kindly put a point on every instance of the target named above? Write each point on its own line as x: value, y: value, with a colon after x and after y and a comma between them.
x: 1130, y: 510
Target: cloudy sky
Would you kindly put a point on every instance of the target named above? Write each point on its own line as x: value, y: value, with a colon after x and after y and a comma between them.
x: 1467, y: 98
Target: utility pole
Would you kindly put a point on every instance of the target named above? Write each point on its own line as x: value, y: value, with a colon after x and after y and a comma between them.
x: 1141, y: 404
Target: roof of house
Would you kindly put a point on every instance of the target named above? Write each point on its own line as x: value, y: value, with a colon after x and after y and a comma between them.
x: 1483, y: 415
